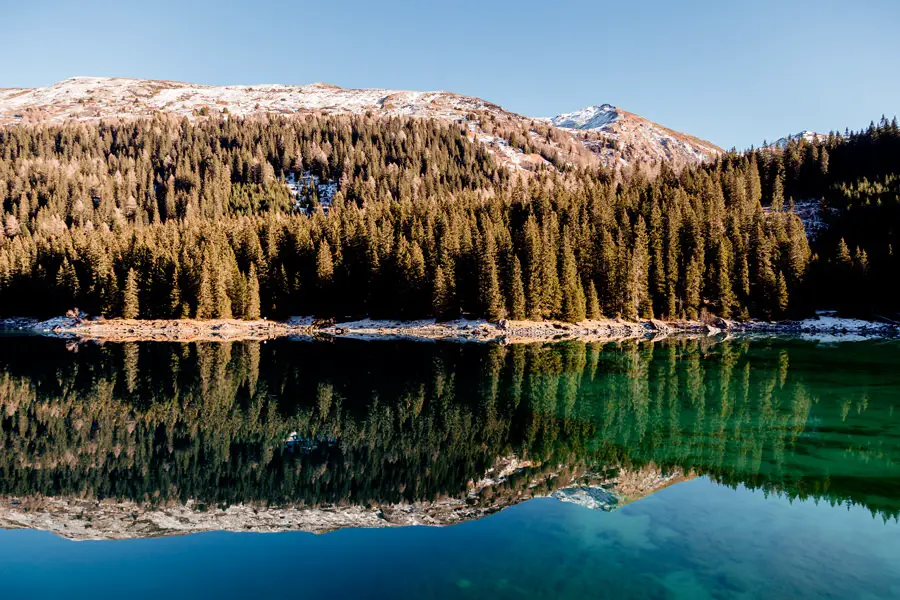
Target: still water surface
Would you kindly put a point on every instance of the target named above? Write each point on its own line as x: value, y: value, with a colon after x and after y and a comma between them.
x: 741, y: 469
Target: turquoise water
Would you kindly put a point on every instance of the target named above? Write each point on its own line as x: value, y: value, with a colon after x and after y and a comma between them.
x: 787, y: 452
x: 692, y: 540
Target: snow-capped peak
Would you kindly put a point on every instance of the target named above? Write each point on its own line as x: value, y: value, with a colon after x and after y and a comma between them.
x: 592, y: 117
x: 809, y: 136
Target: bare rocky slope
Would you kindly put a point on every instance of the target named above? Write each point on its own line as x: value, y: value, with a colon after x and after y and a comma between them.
x: 596, y: 135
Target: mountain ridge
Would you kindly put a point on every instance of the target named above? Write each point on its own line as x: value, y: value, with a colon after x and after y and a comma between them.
x: 613, y: 137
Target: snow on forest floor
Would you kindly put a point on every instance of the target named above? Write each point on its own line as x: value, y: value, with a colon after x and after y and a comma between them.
x: 826, y: 326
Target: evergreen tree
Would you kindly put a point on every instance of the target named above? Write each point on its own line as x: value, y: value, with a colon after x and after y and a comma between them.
x: 638, y: 290
x: 130, y: 301
x: 533, y: 268
x: 67, y: 284
x: 440, y: 302
x: 221, y: 300
x: 573, y: 300
x: 781, y: 294
x: 516, y: 306
x: 205, y: 301
x: 593, y: 302
x: 253, y: 302
x: 489, y: 298
x: 724, y: 290
x: 324, y: 277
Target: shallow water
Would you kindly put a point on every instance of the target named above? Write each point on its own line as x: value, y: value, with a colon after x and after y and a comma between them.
x: 768, y: 468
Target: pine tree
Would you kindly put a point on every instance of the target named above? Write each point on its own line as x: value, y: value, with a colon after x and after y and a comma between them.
x: 754, y: 185
x: 777, y: 203
x: 205, y: 306
x: 516, y: 292
x: 843, y: 254
x: 638, y: 288
x: 534, y: 292
x: 324, y: 277
x: 439, y: 297
x: 490, y: 300
x: 253, y: 303
x: 551, y: 297
x: 861, y: 260
x: 672, y: 256
x: 221, y: 300
x: 67, y: 284
x: 130, y: 300
x: 724, y: 289
x: 765, y: 277
x: 106, y: 291
x: 417, y: 303
x: 573, y: 300
x: 781, y: 294
x: 593, y: 303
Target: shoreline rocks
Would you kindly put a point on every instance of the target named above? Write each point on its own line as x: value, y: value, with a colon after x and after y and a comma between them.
x: 825, y: 326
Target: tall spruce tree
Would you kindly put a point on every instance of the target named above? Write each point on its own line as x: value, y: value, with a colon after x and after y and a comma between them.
x: 573, y: 300
x: 593, y: 302
x: 252, y: 311
x: 489, y: 298
x: 130, y: 301
x: 516, y: 306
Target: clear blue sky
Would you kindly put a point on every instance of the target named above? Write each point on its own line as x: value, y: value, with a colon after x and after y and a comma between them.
x: 734, y: 73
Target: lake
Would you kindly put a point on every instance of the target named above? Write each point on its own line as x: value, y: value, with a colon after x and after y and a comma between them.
x: 680, y: 468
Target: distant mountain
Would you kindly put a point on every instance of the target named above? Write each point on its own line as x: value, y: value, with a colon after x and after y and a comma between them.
x: 809, y: 136
x: 587, y: 119
x: 614, y: 137
x: 623, y: 138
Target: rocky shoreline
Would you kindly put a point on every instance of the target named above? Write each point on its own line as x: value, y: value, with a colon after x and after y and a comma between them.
x: 825, y: 326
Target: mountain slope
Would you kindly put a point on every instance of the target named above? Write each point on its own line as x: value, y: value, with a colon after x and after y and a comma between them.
x: 613, y: 137
x: 622, y: 138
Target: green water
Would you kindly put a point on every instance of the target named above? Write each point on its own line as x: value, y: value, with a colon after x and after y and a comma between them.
x: 783, y: 453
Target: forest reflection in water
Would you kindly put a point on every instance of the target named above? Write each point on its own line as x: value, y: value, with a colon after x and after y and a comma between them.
x: 358, y: 423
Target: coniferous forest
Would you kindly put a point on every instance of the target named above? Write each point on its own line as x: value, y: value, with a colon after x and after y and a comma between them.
x: 166, y: 218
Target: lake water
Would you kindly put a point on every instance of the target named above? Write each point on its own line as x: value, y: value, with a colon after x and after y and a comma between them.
x: 691, y: 469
